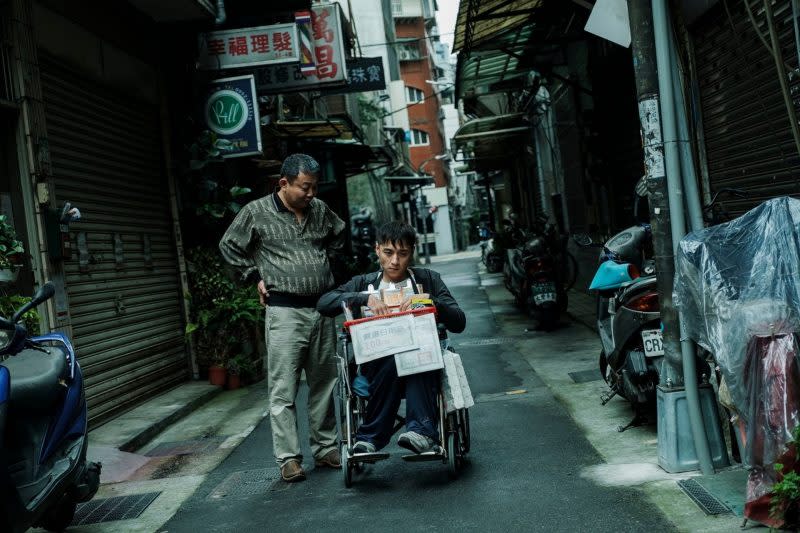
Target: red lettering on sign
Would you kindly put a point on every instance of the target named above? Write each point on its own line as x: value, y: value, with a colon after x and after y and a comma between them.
x: 259, y: 44
x: 216, y: 47
x: 282, y: 41
x: 237, y: 46
x: 319, y: 23
x: 326, y: 68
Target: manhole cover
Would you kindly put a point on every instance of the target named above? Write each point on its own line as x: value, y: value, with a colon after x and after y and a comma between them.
x: 185, y: 447
x: 488, y: 342
x: 110, y: 509
x: 245, y: 483
x: 585, y: 376
x: 704, y: 499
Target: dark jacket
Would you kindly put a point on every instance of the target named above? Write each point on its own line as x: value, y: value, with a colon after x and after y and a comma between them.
x: 450, y: 314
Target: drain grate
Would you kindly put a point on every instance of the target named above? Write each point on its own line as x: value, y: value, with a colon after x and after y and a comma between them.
x: 110, y: 509
x: 245, y: 483
x: 704, y: 499
x: 186, y: 447
x: 585, y: 376
x: 488, y: 342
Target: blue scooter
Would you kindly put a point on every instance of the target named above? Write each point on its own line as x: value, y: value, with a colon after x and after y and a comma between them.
x: 43, y: 427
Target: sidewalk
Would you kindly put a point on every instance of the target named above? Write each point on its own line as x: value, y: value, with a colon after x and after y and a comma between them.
x: 567, y: 361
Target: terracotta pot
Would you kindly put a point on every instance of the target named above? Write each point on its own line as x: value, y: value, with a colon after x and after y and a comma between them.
x: 217, y: 375
x: 234, y: 381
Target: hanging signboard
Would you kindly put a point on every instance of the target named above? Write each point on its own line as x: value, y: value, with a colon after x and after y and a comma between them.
x: 329, y: 57
x: 246, y: 47
x: 363, y: 74
x: 231, y: 112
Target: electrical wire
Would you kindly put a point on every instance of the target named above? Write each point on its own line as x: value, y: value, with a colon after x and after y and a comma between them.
x: 407, y: 41
x: 417, y: 102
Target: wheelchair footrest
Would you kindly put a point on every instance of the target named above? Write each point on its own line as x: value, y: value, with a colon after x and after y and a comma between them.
x: 435, y: 455
x: 368, y: 457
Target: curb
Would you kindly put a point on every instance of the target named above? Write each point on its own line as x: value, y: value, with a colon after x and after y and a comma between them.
x: 144, y: 436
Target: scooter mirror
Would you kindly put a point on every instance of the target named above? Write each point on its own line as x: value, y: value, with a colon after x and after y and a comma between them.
x: 582, y: 239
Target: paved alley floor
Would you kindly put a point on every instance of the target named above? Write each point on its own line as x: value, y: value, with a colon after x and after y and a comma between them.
x: 529, y: 458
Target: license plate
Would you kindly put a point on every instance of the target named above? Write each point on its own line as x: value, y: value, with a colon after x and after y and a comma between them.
x: 544, y: 292
x: 653, y: 342
x: 539, y: 299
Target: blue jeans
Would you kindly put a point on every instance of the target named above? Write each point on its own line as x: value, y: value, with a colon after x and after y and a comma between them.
x: 386, y: 390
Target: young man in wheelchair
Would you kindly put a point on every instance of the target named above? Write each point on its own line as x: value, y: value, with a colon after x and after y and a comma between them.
x: 395, y: 249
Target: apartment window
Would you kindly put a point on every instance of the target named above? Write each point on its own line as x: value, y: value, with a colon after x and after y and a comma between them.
x: 414, y: 95
x: 419, y: 138
x: 397, y: 7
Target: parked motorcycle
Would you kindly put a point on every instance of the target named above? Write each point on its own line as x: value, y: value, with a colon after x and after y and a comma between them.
x: 44, y: 473
x: 628, y: 318
x: 534, y: 272
x: 492, y: 254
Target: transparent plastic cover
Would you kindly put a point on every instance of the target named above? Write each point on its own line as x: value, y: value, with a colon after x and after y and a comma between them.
x: 737, y: 286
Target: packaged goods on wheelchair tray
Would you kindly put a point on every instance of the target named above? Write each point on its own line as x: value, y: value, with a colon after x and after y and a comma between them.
x: 410, y: 336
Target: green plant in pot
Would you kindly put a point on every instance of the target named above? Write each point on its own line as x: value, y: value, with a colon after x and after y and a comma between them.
x: 222, y: 313
x: 11, y: 250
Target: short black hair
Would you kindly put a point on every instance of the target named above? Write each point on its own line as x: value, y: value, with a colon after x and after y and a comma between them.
x: 397, y: 232
x: 297, y: 163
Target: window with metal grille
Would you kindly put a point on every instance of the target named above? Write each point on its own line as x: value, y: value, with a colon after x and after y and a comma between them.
x: 397, y: 7
x: 414, y: 95
x: 419, y: 138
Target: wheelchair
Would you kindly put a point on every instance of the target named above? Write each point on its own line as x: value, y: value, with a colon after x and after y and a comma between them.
x: 351, y: 402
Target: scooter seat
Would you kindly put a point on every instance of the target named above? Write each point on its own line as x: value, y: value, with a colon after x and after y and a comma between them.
x: 35, y: 378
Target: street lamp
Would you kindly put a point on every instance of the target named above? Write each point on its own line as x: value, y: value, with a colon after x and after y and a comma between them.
x: 422, y: 217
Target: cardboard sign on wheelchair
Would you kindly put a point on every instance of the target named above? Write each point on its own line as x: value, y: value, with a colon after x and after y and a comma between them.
x: 410, y: 336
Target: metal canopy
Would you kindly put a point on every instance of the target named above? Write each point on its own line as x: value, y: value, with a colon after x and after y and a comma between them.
x: 320, y: 129
x: 490, y: 130
x: 480, y: 21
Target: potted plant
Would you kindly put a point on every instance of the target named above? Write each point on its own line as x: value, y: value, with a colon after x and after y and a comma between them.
x: 11, y: 250
x: 239, y: 369
x: 223, y: 314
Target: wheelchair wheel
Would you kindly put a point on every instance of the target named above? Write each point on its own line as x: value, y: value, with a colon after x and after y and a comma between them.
x: 463, y: 429
x: 453, y: 454
x: 347, y: 467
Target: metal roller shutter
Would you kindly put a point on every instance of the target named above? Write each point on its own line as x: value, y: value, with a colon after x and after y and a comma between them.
x: 125, y: 310
x: 748, y: 137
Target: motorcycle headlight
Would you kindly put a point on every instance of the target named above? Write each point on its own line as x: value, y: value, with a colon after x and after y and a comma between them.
x: 5, y: 338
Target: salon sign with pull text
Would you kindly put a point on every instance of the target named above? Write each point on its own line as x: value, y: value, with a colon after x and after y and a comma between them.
x: 231, y: 112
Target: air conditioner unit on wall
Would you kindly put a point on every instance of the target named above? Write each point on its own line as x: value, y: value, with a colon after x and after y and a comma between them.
x: 405, y: 55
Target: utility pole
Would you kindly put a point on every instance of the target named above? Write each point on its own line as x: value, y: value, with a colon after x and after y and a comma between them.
x: 644, y: 65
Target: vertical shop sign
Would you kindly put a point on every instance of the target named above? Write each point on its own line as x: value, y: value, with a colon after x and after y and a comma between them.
x: 329, y: 58
x: 231, y: 112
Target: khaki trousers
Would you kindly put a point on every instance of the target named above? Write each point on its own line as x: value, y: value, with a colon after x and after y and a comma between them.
x: 300, y: 339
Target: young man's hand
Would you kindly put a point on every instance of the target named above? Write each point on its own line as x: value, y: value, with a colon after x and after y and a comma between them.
x: 406, y: 305
x: 376, y: 304
x: 263, y: 293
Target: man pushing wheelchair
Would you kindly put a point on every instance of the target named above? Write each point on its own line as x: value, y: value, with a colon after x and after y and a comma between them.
x: 395, y: 249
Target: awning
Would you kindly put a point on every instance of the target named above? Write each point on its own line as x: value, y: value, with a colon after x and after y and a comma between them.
x: 354, y: 156
x: 333, y: 128
x: 509, y: 39
x: 492, y: 142
x: 480, y: 21
x: 491, y: 127
x: 409, y: 180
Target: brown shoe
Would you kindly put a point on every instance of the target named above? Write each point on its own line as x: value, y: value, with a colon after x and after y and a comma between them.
x: 332, y: 459
x: 292, y: 471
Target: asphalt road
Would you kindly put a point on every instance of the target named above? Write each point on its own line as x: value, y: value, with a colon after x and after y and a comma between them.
x: 524, y: 472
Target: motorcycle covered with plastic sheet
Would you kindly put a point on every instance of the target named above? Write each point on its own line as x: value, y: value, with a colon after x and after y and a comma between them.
x: 737, y: 286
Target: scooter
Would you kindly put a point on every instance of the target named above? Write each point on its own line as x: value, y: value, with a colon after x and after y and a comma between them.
x: 44, y: 473
x: 491, y: 254
x: 628, y: 319
x: 532, y: 276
